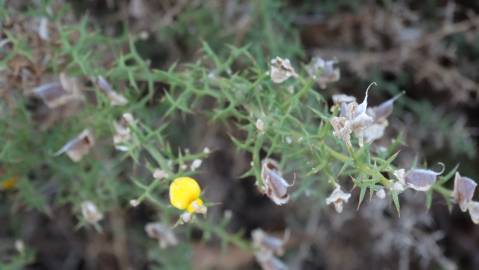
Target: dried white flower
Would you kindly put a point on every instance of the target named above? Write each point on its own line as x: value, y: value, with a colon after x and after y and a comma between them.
x: 259, y: 125
x: 473, y: 208
x: 159, y: 174
x: 421, y: 179
x: 78, y: 147
x: 281, y: 70
x: 274, y: 185
x: 267, y: 247
x: 115, y: 98
x: 196, y: 164
x: 338, y: 198
x: 43, y: 29
x: 353, y: 118
x: 59, y: 93
x: 381, y: 194
x: 90, y: 212
x: 463, y: 192
x: 122, y: 132
x: 206, y: 150
x: 271, y: 243
x: 164, y: 234
x: 323, y: 71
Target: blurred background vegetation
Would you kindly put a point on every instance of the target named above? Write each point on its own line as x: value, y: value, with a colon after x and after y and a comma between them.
x: 185, y: 66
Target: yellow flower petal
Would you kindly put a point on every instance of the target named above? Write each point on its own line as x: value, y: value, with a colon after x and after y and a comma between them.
x: 183, y: 191
x: 8, y: 183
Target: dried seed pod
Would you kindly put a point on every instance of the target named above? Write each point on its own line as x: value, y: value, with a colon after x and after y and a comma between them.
x: 473, y: 208
x: 274, y: 185
x: 281, y: 70
x: 90, y: 212
x: 421, y: 179
x: 164, y: 234
x: 115, y: 98
x: 79, y: 146
x: 463, y: 192
x: 338, y: 198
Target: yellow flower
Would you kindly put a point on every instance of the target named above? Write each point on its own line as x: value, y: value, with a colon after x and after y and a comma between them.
x: 185, y: 195
x: 8, y: 183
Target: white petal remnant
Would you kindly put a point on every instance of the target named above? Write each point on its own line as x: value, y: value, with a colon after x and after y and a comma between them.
x: 323, y: 71
x: 259, y: 125
x: 122, y: 134
x: 463, y: 192
x: 59, y: 93
x: 115, y: 98
x: 78, y: 147
x: 274, y: 185
x: 90, y: 212
x: 43, y: 29
x: 341, y: 98
x: 473, y: 208
x: 206, y: 150
x: 281, y: 70
x: 338, y: 198
x: 196, y: 164
x: 164, y: 234
x: 160, y: 174
x: 381, y: 194
x: 421, y: 179
x: 267, y: 247
x: 400, y: 175
x: 274, y: 244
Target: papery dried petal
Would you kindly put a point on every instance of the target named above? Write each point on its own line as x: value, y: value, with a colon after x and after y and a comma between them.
x: 463, y: 192
x: 274, y: 185
x: 259, y: 125
x: 338, y: 198
x: 473, y: 208
x: 323, y: 71
x: 400, y: 175
x: 342, y: 129
x: 374, y: 131
x: 164, y: 234
x: 59, y: 93
x: 79, y: 146
x: 115, y: 98
x: 90, y: 212
x: 281, y: 70
x: 383, y: 110
x: 268, y: 261
x: 421, y: 179
x: 341, y: 98
x: 268, y: 242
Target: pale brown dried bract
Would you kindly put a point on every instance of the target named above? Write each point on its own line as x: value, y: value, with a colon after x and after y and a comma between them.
x: 79, y: 146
